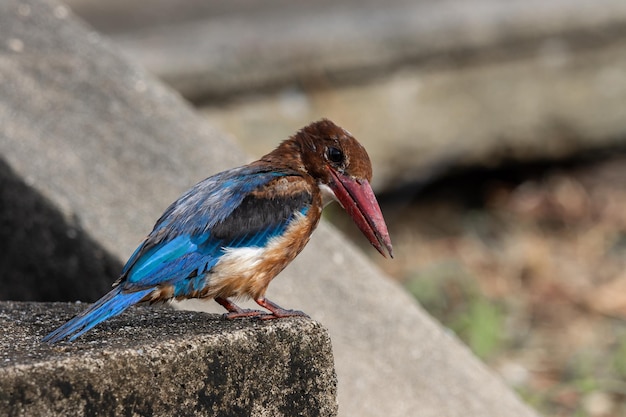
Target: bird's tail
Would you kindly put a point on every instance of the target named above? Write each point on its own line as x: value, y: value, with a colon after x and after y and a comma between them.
x: 112, y: 304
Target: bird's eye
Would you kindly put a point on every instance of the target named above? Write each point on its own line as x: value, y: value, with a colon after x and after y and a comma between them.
x: 334, y: 155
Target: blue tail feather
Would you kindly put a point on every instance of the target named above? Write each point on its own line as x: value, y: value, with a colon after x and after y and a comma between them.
x: 112, y: 304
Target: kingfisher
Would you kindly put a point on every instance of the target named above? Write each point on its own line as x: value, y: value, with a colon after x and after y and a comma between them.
x: 229, y: 235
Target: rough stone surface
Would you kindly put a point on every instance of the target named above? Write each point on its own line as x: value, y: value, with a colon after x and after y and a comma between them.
x: 107, y: 148
x: 159, y: 362
x: 53, y: 268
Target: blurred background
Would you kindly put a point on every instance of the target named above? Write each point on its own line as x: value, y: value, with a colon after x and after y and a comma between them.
x: 497, y: 130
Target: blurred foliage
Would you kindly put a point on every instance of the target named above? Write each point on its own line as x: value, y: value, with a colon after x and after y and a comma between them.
x: 452, y: 296
x: 619, y: 358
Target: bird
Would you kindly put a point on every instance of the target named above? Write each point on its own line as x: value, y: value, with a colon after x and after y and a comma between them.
x: 228, y: 236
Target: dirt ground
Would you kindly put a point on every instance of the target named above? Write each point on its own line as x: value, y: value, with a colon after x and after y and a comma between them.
x: 529, y: 270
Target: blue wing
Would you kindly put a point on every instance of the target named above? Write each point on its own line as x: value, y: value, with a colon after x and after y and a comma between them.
x: 226, y: 210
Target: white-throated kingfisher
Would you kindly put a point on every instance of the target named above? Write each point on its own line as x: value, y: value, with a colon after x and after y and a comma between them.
x: 231, y: 234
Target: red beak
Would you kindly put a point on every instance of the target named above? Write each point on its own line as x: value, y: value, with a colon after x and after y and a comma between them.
x: 357, y: 198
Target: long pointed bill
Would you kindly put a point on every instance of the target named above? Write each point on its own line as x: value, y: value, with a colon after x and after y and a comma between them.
x: 357, y: 198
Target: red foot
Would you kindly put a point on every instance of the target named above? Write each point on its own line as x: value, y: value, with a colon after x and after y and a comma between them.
x: 235, y: 312
x: 277, y: 311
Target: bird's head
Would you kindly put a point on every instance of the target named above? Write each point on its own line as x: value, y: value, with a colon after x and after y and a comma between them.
x: 343, y: 171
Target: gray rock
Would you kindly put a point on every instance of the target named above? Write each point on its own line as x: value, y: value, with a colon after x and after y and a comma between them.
x: 427, y: 86
x: 46, y: 256
x: 108, y: 148
x: 155, y: 363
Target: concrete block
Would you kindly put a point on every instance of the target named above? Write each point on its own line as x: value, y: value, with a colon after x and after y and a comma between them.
x: 161, y: 362
x: 45, y: 255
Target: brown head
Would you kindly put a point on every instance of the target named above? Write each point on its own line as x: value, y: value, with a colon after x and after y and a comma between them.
x: 343, y: 171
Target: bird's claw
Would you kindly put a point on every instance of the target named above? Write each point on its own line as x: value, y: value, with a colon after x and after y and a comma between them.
x: 279, y: 314
x: 243, y: 313
x: 262, y: 315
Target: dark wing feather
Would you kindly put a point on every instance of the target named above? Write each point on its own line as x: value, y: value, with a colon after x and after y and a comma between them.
x: 260, y: 217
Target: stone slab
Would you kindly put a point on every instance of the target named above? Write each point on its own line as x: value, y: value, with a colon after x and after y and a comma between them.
x: 156, y: 362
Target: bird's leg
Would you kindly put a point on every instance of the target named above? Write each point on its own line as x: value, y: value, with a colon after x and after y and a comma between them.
x: 277, y: 311
x: 234, y: 311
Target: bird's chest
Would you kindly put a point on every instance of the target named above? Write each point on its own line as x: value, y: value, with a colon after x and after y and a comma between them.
x: 247, y: 271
